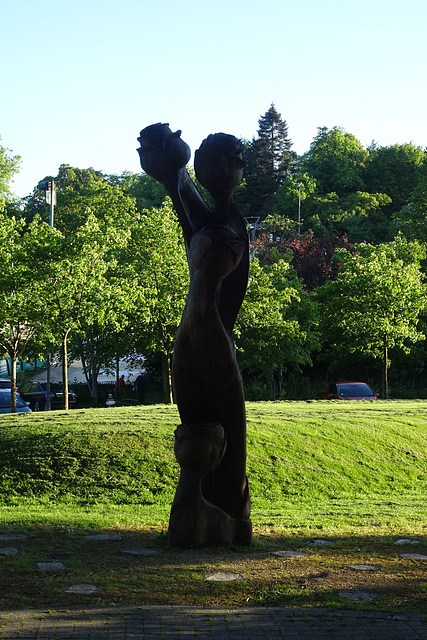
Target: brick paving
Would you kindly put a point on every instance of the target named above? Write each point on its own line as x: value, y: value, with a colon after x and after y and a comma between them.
x: 185, y: 623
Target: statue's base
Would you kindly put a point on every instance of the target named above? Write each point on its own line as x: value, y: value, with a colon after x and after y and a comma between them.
x: 194, y: 521
x: 207, y: 526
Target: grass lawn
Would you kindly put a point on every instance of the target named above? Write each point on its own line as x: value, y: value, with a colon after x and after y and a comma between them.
x: 340, y: 481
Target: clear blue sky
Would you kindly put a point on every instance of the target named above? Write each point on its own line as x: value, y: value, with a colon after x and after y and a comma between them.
x: 80, y: 79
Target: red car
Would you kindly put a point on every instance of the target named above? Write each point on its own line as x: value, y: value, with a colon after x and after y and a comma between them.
x: 351, y: 391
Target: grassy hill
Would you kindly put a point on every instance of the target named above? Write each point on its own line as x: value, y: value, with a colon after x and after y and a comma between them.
x: 351, y: 476
x: 311, y: 465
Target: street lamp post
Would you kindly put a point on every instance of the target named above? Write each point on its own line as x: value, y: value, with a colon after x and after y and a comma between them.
x: 50, y: 188
x: 299, y: 207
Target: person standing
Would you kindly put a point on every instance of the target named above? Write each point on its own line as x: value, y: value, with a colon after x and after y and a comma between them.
x: 141, y: 386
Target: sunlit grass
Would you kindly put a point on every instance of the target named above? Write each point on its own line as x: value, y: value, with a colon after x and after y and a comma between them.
x: 330, y: 465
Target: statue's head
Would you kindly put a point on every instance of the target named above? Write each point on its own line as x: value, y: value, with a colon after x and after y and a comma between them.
x: 218, y: 164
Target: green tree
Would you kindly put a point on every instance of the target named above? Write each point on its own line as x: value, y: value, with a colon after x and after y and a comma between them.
x: 156, y: 266
x: 395, y: 170
x: 268, y: 158
x: 412, y: 219
x: 20, y: 296
x: 290, y: 203
x: 72, y: 267
x: 336, y: 160
x: 359, y: 215
x: 102, y: 337
x: 275, y: 328
x: 9, y: 165
x: 375, y: 302
x: 147, y: 192
x: 82, y: 193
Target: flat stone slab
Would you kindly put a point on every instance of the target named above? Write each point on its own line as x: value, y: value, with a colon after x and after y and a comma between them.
x: 50, y: 566
x: 82, y: 589
x: 414, y: 556
x: 223, y: 576
x: 8, y: 551
x: 291, y: 554
x: 13, y: 536
x: 140, y: 552
x: 103, y: 536
x: 320, y: 543
x: 406, y: 541
x: 357, y: 595
x: 363, y: 567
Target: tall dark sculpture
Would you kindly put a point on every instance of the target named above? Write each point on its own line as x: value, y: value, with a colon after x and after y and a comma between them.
x: 211, y: 503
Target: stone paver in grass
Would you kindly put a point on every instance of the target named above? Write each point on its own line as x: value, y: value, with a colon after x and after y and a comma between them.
x: 8, y: 551
x: 358, y: 595
x: 363, y: 567
x: 13, y: 536
x: 320, y: 543
x: 224, y: 576
x: 140, y: 552
x: 406, y: 541
x: 291, y: 554
x: 82, y: 588
x: 50, y: 566
x: 414, y: 556
x: 103, y: 536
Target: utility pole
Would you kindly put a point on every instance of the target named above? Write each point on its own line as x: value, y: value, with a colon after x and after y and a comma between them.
x: 50, y: 188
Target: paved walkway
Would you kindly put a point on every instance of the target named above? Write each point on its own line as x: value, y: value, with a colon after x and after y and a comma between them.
x: 185, y: 623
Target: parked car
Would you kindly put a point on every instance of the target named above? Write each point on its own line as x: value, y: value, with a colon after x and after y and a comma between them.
x: 351, y: 391
x: 21, y: 406
x: 35, y: 393
x: 5, y: 383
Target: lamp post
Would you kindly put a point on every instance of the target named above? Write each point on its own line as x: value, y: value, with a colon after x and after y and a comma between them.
x: 299, y: 207
x: 50, y: 188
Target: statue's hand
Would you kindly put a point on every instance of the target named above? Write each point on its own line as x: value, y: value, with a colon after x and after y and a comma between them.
x: 162, y: 152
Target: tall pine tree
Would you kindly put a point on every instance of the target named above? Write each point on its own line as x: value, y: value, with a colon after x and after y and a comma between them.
x: 268, y: 158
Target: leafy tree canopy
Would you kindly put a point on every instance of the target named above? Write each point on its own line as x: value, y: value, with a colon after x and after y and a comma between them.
x: 80, y: 194
x: 268, y: 157
x: 275, y: 325
x: 395, y: 170
x: 9, y: 165
x: 375, y: 302
x: 336, y: 160
x: 147, y: 192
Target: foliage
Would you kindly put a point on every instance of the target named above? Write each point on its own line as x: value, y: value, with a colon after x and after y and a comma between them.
x: 155, y: 264
x: 336, y: 160
x: 147, y: 192
x: 395, y: 170
x: 412, y: 219
x: 275, y: 327
x: 82, y: 193
x: 268, y: 157
x: 9, y: 165
x: 291, y: 196
x: 72, y: 267
x: 310, y: 257
x: 375, y: 302
x: 21, y: 305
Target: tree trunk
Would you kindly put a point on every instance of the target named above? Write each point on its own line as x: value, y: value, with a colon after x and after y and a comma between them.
x: 385, y: 372
x: 64, y: 370
x: 94, y: 376
x: 117, y: 375
x: 167, y: 378
x: 12, y: 382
